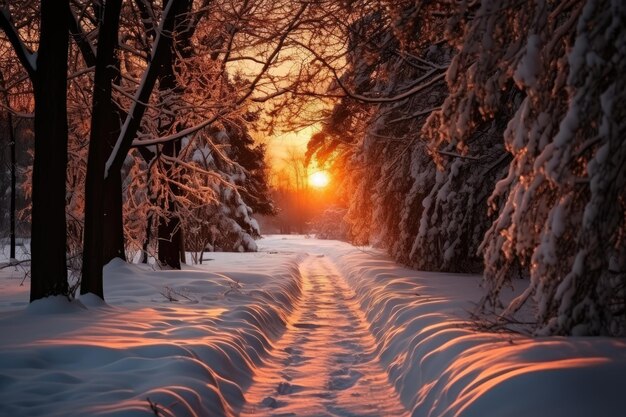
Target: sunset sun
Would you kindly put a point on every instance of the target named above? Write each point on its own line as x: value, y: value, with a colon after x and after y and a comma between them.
x: 319, y: 179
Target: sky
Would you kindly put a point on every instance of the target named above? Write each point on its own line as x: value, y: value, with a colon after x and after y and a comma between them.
x: 279, y: 146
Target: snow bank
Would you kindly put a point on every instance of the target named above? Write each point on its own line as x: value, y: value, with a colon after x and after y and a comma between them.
x: 441, y: 366
x: 191, y: 356
x: 196, y: 356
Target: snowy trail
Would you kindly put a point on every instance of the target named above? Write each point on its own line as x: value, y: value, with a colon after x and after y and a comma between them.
x: 313, y: 335
x: 324, y: 365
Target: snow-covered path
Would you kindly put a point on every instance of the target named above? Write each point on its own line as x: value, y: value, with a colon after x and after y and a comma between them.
x: 324, y: 365
x: 304, y: 327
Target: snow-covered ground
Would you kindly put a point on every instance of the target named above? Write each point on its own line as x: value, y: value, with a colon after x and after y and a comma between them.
x: 303, y: 328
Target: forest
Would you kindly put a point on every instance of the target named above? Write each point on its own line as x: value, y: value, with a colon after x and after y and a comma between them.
x: 487, y: 136
x: 347, y: 208
x: 461, y: 136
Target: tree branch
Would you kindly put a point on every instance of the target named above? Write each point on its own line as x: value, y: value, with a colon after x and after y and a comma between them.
x: 79, y: 37
x: 129, y: 129
x: 366, y: 99
x: 268, y: 62
x: 456, y: 155
x: 25, y: 55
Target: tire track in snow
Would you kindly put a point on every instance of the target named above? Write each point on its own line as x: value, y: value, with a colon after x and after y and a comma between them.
x: 324, y: 365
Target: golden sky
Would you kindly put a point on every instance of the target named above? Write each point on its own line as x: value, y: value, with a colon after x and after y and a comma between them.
x: 279, y: 147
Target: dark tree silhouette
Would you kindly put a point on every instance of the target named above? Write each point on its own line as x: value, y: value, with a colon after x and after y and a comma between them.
x: 104, y: 128
x: 48, y: 73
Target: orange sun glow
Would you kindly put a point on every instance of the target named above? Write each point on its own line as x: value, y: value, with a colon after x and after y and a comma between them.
x: 319, y: 179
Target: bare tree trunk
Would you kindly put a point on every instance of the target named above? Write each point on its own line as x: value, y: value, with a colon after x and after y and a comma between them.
x: 48, y: 233
x: 113, y: 234
x: 104, y: 125
x: 181, y: 248
x: 146, y: 243
x: 12, y: 168
x: 170, y: 240
x: 13, y: 178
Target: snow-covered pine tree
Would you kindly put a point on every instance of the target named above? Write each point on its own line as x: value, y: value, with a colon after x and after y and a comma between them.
x: 387, y: 165
x: 563, y: 214
x: 239, y: 188
x: 532, y: 90
x: 250, y: 156
x: 464, y: 140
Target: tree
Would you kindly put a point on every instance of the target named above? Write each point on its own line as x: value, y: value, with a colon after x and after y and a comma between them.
x: 512, y: 162
x: 48, y: 72
x: 182, y: 83
x: 104, y: 128
x: 171, y: 249
x: 560, y: 208
x: 93, y: 253
x: 12, y: 167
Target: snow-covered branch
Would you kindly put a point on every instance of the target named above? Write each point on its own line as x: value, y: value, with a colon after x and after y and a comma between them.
x: 27, y: 58
x: 137, y: 109
x: 416, y: 88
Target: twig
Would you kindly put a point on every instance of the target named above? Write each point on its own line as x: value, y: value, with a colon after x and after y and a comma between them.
x: 456, y: 155
x: 235, y: 286
x: 498, y: 324
x: 14, y: 262
x: 154, y: 407
x: 170, y: 292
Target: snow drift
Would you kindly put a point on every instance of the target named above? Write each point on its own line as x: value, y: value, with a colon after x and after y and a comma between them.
x: 191, y: 356
x: 198, y: 354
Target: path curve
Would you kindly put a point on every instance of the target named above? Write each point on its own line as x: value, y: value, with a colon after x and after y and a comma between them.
x: 324, y: 364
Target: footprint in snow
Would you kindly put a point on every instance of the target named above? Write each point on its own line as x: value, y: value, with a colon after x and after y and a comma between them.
x: 327, y: 395
x: 285, y: 388
x: 292, y: 350
x: 295, y: 359
x: 343, y: 379
x: 271, y: 402
x: 307, y: 325
x: 350, y: 358
x: 350, y: 345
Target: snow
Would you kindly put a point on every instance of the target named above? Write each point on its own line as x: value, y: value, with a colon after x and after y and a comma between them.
x: 304, y: 327
x: 530, y: 65
x: 106, y: 359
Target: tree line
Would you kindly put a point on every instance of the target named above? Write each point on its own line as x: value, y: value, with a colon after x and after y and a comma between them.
x: 142, y: 113
x: 487, y: 136
x: 467, y: 136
